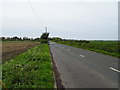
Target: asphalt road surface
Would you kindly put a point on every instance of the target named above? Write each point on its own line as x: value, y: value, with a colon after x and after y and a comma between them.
x: 81, y: 68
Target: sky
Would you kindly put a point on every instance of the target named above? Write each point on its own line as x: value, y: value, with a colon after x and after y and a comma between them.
x: 78, y: 19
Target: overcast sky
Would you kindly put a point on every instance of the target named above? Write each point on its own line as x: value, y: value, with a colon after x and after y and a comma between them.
x: 67, y: 19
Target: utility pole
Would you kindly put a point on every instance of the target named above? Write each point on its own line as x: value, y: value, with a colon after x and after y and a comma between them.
x: 46, y: 29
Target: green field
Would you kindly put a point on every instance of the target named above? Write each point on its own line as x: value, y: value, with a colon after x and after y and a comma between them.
x: 106, y: 47
x: 31, y: 69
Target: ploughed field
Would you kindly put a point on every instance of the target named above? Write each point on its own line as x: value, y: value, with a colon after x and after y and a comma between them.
x: 13, y: 48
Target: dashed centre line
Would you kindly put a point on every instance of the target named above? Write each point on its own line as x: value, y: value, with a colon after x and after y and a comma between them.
x: 114, y: 69
x: 82, y: 55
x: 68, y: 49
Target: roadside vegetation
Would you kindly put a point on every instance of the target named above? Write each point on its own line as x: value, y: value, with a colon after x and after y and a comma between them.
x: 106, y: 47
x: 31, y: 69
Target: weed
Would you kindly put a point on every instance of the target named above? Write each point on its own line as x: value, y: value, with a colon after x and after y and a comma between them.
x: 31, y: 69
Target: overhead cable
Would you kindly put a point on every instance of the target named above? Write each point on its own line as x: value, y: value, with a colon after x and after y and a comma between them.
x: 35, y: 13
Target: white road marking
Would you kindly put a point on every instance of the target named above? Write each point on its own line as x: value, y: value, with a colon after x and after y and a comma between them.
x: 82, y: 55
x: 114, y: 69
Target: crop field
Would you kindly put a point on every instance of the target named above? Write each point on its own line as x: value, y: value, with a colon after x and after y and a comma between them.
x: 106, y: 47
x: 31, y: 69
x: 12, y: 48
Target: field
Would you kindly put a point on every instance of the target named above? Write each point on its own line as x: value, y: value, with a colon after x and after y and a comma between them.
x: 13, y: 48
x: 31, y: 69
x: 106, y: 47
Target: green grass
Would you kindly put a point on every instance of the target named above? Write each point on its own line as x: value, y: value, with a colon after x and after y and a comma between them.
x: 32, y: 69
x: 105, y: 47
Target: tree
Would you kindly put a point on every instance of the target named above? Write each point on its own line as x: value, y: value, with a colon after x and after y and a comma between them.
x: 44, y: 37
x: 3, y: 38
x: 56, y: 39
x: 15, y: 38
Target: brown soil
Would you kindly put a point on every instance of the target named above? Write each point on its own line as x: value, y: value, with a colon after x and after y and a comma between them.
x: 11, y: 49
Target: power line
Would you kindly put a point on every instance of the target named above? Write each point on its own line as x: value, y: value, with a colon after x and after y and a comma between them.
x: 35, y: 13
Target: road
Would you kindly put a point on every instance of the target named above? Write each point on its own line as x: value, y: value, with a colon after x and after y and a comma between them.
x: 81, y: 68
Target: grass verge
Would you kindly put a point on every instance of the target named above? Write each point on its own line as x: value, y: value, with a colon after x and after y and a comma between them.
x: 105, y: 47
x: 32, y: 69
